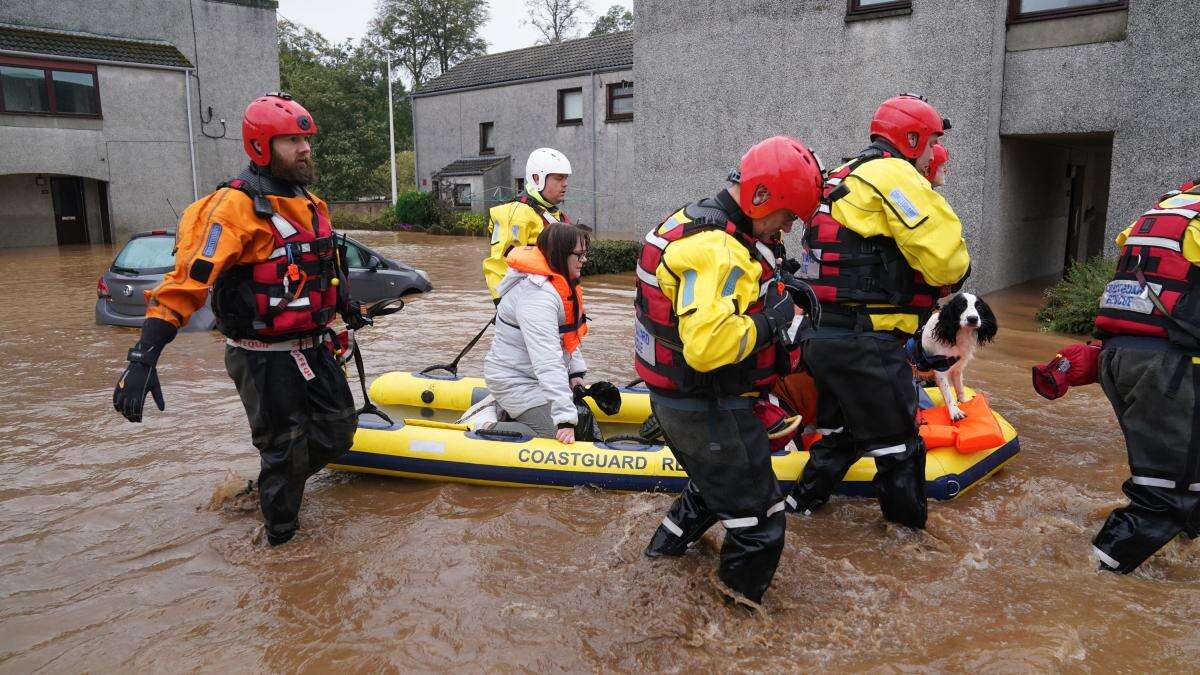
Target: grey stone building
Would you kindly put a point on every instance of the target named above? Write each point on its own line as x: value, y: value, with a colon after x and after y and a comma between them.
x: 1069, y: 116
x: 475, y: 125
x: 116, y: 115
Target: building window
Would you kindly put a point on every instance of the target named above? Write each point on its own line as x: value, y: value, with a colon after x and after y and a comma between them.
x: 462, y: 194
x: 867, y: 9
x: 620, y: 102
x: 487, y: 144
x: 1037, y: 10
x: 30, y: 87
x: 570, y: 107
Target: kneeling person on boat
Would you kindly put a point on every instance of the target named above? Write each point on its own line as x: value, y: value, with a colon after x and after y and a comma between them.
x: 535, y: 360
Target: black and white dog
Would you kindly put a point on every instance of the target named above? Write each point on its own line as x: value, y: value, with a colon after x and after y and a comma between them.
x: 948, y: 340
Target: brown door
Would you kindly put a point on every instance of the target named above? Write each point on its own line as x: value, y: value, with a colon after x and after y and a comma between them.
x: 70, y: 216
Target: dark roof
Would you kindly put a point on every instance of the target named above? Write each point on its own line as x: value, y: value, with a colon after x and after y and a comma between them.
x: 89, y: 47
x: 471, y: 166
x: 603, y: 52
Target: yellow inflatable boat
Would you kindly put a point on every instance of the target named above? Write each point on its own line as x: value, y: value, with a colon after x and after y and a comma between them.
x: 459, y: 393
x: 429, y: 450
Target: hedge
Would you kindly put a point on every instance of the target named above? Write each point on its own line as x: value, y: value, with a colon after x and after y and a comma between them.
x: 611, y: 256
x: 1070, y: 305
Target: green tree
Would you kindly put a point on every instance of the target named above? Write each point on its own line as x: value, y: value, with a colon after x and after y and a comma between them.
x: 428, y: 37
x: 615, y: 20
x: 343, y: 86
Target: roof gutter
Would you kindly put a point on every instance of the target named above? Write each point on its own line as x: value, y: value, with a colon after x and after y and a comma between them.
x: 106, y: 62
x: 506, y: 83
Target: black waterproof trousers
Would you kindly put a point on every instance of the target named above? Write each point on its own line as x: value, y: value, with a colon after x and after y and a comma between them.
x: 298, y: 425
x: 1155, y: 391
x: 724, y: 449
x: 866, y: 404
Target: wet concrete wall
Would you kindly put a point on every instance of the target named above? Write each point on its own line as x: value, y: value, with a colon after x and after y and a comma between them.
x: 26, y: 214
x: 141, y: 144
x: 714, y: 78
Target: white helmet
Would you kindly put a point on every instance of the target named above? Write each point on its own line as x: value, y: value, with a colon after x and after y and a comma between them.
x: 543, y: 162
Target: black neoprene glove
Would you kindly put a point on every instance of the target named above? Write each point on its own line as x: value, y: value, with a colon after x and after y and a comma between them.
x: 805, y: 298
x: 776, y: 317
x: 141, y: 375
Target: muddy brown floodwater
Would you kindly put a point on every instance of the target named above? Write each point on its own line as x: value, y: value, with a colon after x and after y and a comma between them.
x: 109, y: 559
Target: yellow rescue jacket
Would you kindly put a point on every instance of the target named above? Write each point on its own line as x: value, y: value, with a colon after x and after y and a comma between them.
x: 516, y: 223
x: 887, y: 197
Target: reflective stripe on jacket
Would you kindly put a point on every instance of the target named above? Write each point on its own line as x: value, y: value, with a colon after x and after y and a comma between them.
x: 1160, y: 252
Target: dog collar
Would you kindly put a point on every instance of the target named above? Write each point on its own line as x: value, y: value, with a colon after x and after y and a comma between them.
x: 923, y: 360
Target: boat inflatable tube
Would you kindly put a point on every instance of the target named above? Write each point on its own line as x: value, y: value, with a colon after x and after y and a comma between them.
x: 460, y: 393
x: 438, y: 451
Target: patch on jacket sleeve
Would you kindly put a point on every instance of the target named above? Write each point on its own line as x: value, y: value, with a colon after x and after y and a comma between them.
x: 201, y: 270
x: 214, y: 236
x: 903, y: 203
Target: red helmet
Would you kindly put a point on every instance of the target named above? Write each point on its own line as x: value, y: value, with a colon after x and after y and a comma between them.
x: 940, y: 155
x: 780, y: 173
x: 907, y: 121
x: 274, y: 114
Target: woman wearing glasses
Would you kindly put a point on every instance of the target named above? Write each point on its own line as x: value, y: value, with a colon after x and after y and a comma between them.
x: 535, y: 360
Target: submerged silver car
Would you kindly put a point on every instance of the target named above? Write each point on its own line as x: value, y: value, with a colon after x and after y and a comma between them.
x: 142, y: 263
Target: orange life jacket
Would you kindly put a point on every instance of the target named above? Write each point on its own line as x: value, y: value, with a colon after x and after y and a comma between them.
x: 529, y: 259
x: 979, y: 430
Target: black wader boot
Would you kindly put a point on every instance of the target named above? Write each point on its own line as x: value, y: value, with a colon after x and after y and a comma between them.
x: 725, y: 450
x: 1154, y: 392
x: 297, y: 425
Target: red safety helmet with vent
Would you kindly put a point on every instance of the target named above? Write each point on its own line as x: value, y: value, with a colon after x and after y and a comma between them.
x: 274, y: 114
x: 940, y: 156
x: 780, y: 173
x: 907, y: 122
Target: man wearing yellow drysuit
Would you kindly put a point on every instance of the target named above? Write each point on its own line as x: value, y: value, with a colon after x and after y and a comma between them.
x: 882, y: 250
x: 716, y: 326
x: 1149, y: 318
x: 519, y: 222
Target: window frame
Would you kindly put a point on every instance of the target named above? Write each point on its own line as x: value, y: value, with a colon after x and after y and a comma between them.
x: 491, y: 129
x: 47, y: 67
x: 609, y: 115
x: 1016, y: 16
x: 575, y: 121
x: 454, y: 192
x: 854, y: 10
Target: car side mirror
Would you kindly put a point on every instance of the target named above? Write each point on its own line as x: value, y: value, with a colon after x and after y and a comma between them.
x: 374, y: 263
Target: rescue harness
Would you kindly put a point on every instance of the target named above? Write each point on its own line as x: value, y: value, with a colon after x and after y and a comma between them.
x: 843, y: 267
x: 1153, y: 292
x: 658, y: 346
x: 293, y: 293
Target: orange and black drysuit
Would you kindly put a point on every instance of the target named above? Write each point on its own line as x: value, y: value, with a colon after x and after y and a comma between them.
x: 707, y: 341
x: 1149, y: 318
x: 267, y: 250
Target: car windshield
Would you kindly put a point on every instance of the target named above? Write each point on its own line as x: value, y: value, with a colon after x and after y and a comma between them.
x: 145, y: 253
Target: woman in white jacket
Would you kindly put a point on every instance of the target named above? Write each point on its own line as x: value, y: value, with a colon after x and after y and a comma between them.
x: 535, y: 360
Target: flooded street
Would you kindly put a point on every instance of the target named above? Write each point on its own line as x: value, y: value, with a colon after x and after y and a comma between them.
x: 110, y: 558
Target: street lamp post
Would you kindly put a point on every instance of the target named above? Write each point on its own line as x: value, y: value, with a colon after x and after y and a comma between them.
x: 391, y: 128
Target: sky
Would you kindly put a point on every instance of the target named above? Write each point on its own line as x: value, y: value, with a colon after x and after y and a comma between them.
x: 341, y: 19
